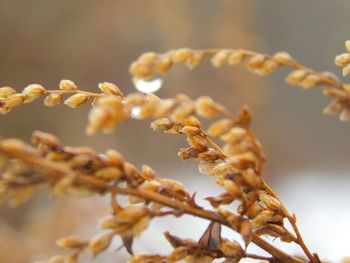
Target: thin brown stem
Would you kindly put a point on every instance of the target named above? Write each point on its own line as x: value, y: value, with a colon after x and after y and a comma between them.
x: 292, y: 221
x: 91, y: 94
x: 258, y: 257
x: 214, y: 144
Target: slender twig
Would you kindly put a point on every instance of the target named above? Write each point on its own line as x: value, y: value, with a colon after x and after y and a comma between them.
x: 90, y: 94
x: 292, y: 221
x: 253, y: 256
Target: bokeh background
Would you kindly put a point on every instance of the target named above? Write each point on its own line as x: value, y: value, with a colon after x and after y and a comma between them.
x: 93, y: 41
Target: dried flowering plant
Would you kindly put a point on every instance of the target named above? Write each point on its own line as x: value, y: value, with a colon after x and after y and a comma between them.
x: 236, y: 163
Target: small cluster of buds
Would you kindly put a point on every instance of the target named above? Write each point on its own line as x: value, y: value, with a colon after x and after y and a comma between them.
x: 343, y: 60
x: 108, y: 111
x: 128, y: 222
x: 237, y: 168
x: 9, y: 99
x: 152, y: 64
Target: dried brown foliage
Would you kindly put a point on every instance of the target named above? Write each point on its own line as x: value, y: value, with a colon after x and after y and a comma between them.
x: 236, y: 163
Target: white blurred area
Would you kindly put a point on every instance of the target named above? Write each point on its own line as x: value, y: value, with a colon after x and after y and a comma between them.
x: 320, y: 201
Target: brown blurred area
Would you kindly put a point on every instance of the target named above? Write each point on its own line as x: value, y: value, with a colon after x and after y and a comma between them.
x: 94, y: 41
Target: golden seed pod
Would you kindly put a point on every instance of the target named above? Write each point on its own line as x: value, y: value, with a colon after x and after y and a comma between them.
x: 219, y: 168
x: 232, y: 188
x: 39, y: 137
x: 234, y: 135
x: 206, y: 167
x: 66, y: 84
x: 53, y: 99
x: 181, y: 55
x: 109, y: 173
x: 151, y: 185
x: 268, y: 67
x: 6, y: 91
x: 256, y: 61
x: 14, y: 101
x: 296, y: 76
x: 220, y: 127
x: 182, y: 111
x: 251, y: 178
x: 271, y: 202
x: 131, y: 214
x: 164, y: 108
x: 135, y: 99
x: 263, y: 217
x: 141, y: 71
x: 195, y: 59
x: 163, y: 65
x: 100, y: 243
x: 187, y: 153
x: 162, y: 124
x: 76, y: 100
x: 115, y: 158
x: 191, y: 121
x: 148, y: 172
x: 220, y: 58
x: 148, y: 58
x: 13, y: 145
x: 110, y: 89
x: 197, y: 142
x: 310, y: 81
x: 173, y: 185
x: 236, y: 57
x: 97, y: 120
x: 71, y: 242
x: 210, y: 155
x: 190, y: 130
x: 283, y: 58
x: 34, y: 90
x: 207, y: 108
x: 342, y: 60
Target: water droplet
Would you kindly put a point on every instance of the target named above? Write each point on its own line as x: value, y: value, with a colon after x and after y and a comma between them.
x: 135, y: 112
x: 149, y: 85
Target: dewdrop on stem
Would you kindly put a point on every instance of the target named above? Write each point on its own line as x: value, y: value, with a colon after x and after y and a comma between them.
x: 148, y: 85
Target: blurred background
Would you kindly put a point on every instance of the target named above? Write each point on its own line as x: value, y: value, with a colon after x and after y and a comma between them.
x: 94, y: 41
